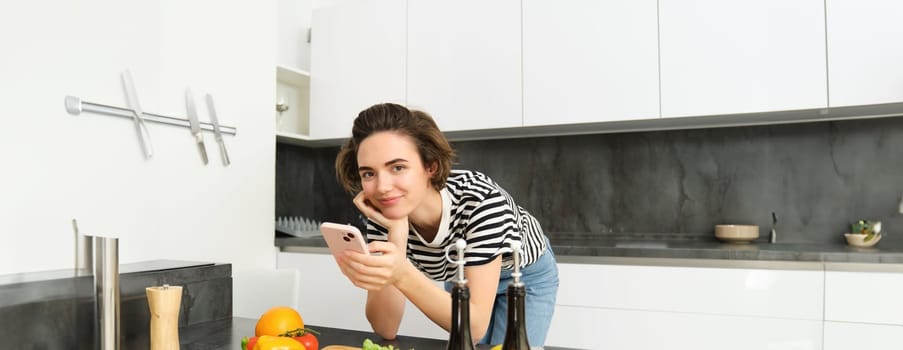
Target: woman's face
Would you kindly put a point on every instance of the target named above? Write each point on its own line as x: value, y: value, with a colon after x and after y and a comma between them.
x: 393, y: 178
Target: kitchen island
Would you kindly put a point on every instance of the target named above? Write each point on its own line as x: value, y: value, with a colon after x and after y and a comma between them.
x: 698, y: 293
x: 226, y: 335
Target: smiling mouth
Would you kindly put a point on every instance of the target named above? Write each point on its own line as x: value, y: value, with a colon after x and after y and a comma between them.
x: 387, y: 202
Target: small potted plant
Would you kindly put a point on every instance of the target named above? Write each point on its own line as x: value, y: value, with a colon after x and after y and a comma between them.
x: 864, y: 233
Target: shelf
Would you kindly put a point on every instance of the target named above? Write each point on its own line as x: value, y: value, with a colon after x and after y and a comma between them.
x: 293, y: 76
x: 293, y: 92
x: 306, y: 141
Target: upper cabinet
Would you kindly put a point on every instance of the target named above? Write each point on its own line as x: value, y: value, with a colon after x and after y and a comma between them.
x: 464, y: 62
x: 357, y: 60
x: 511, y: 68
x: 864, y: 51
x: 742, y: 56
x: 292, y: 71
x: 590, y: 61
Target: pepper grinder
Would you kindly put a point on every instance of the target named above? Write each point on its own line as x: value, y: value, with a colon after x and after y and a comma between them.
x: 164, y: 305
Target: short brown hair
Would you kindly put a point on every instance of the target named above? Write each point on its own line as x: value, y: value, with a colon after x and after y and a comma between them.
x: 431, y: 144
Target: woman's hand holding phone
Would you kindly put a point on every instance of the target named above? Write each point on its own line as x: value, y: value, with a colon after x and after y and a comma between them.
x: 350, y: 250
x: 374, y: 271
x: 340, y: 238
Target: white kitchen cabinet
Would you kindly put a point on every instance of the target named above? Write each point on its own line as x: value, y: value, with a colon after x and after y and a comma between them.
x: 860, y: 336
x: 794, y: 294
x: 606, y: 328
x: 742, y: 56
x: 864, y: 297
x: 864, y: 51
x: 293, y: 25
x: 590, y: 61
x: 326, y: 298
x: 687, y: 307
x: 357, y: 60
x: 292, y: 100
x: 464, y: 62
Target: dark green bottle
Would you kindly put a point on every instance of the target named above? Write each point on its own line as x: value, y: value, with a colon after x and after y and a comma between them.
x: 516, y: 328
x: 459, y: 337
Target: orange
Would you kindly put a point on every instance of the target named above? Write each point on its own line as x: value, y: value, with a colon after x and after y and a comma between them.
x: 278, y: 320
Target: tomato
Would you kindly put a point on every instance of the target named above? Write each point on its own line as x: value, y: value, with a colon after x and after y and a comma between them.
x: 309, y: 341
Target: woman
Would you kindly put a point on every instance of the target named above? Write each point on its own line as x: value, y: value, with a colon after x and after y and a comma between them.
x: 399, y: 165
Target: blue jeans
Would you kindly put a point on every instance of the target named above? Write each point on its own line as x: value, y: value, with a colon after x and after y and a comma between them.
x: 541, y: 281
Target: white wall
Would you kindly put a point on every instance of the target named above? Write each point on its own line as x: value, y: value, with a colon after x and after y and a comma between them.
x: 55, y: 167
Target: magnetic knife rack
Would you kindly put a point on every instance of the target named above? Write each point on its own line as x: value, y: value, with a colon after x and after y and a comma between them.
x: 76, y: 106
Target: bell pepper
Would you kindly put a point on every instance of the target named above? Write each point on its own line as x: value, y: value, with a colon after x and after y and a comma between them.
x: 305, y: 336
x: 268, y: 342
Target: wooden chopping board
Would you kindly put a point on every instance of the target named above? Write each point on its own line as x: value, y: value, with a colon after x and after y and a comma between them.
x: 340, y: 347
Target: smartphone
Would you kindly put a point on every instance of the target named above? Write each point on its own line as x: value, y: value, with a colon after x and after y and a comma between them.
x: 340, y: 238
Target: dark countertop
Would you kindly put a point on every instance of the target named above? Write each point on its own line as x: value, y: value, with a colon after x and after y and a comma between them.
x: 143, y: 266
x: 583, y: 248
x: 227, y: 334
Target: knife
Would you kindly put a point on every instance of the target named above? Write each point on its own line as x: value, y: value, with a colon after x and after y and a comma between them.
x: 195, y: 124
x: 132, y: 97
x: 216, y: 132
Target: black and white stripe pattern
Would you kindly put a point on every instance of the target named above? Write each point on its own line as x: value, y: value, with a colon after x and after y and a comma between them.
x: 486, y: 217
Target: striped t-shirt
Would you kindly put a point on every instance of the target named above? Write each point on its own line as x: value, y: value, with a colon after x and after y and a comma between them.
x: 478, y: 210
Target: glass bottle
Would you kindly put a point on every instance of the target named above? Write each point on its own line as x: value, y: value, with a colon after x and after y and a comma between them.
x: 516, y: 329
x: 459, y: 337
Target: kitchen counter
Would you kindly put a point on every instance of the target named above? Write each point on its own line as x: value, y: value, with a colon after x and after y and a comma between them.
x: 226, y: 335
x: 56, y: 309
x: 583, y: 248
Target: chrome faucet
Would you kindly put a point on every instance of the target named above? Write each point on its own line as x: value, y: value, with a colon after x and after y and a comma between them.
x: 774, y: 222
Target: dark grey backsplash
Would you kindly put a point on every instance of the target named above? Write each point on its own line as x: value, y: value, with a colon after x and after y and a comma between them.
x: 817, y: 178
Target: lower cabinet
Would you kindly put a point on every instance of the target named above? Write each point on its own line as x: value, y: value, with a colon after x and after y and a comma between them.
x: 863, y: 310
x: 326, y: 298
x: 666, y: 307
x: 645, y: 306
x: 864, y: 297
x: 597, y: 328
x: 862, y: 336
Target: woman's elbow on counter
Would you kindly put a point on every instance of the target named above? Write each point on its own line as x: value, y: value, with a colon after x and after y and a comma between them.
x: 387, y: 332
x: 477, y: 332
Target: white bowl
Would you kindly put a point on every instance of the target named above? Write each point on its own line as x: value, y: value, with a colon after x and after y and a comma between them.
x: 737, y: 233
x: 858, y: 239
